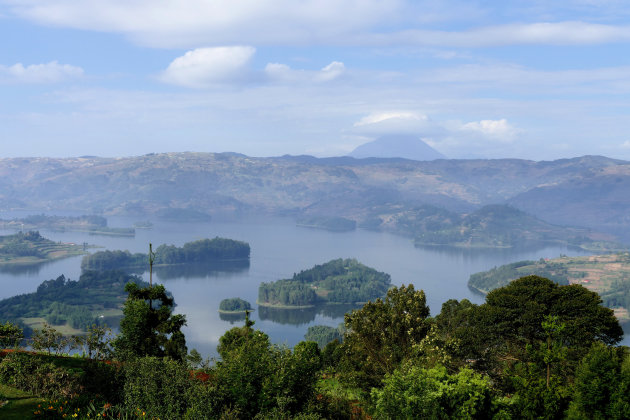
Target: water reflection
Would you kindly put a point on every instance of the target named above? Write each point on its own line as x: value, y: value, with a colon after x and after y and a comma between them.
x: 232, y: 318
x: 503, y: 253
x: 210, y: 269
x: 24, y: 269
x: 305, y: 315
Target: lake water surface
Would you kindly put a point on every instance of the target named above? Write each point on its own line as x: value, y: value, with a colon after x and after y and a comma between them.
x: 278, y: 249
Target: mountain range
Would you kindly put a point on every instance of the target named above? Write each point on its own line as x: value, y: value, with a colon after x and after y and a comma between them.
x: 589, y: 191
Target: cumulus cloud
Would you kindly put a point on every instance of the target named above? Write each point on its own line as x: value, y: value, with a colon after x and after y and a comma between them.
x: 205, y: 67
x: 397, y: 122
x: 499, y: 130
x: 52, y: 72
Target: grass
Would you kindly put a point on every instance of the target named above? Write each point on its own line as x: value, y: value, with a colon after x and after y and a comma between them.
x: 38, y: 323
x: 18, y: 405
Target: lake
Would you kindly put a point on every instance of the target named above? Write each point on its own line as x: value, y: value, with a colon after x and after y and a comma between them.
x: 278, y: 249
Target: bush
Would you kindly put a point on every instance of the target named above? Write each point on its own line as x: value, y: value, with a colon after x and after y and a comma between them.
x: 160, y: 387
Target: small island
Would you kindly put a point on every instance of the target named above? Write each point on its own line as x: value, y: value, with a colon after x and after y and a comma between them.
x: 32, y: 248
x: 201, y: 251
x: 337, y: 281
x: 234, y: 306
x: 608, y: 275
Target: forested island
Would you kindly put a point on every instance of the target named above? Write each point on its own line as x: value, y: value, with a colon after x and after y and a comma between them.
x: 72, y: 306
x: 92, y: 224
x: 608, y: 275
x: 337, y: 281
x: 32, y: 248
x: 234, y: 306
x: 201, y: 251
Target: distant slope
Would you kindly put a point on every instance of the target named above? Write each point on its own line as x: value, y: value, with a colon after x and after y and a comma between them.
x: 501, y: 226
x: 397, y: 146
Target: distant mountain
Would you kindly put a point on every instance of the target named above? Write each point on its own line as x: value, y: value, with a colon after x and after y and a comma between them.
x: 396, y: 195
x: 397, y: 146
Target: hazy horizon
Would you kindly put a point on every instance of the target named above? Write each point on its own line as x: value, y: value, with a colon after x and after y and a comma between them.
x: 525, y: 79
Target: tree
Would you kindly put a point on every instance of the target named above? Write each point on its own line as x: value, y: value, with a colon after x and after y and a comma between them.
x: 48, y: 339
x: 148, y: 326
x: 10, y: 335
x: 381, y: 334
x: 513, y: 317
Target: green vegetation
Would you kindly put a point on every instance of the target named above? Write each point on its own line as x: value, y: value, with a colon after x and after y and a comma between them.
x: 534, y: 349
x: 202, y: 251
x: 32, y: 248
x: 608, y: 275
x: 323, y: 334
x: 77, y: 304
x: 148, y: 327
x: 234, y: 306
x: 337, y: 281
x: 334, y: 224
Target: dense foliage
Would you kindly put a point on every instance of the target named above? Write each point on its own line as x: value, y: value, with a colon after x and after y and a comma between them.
x: 337, y: 281
x: 500, y: 276
x: 149, y: 327
x: 76, y: 303
x: 201, y: 251
x: 33, y: 246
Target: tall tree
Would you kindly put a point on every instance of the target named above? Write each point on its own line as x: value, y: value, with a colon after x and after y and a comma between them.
x: 380, y: 335
x: 149, y: 327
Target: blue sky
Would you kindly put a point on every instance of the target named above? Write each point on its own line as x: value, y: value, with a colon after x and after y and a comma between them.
x: 529, y: 79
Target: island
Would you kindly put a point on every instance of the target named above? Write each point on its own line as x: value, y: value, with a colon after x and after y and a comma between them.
x: 608, y: 275
x: 32, y: 248
x: 333, y: 224
x: 92, y: 224
x: 234, y: 306
x: 337, y: 281
x: 72, y: 306
x: 201, y: 251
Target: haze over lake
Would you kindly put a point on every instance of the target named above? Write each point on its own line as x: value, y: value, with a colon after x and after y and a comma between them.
x: 278, y: 249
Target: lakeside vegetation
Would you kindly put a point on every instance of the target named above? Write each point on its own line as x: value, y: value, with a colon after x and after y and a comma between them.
x: 71, y: 306
x: 534, y: 349
x: 32, y: 248
x: 201, y: 251
x: 337, y: 281
x: 608, y: 275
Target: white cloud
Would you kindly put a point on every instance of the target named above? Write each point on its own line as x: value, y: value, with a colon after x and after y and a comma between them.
x: 205, y: 67
x: 380, y: 117
x: 282, y: 73
x: 625, y: 144
x: 191, y: 23
x: 499, y: 130
x: 52, y: 72
x: 331, y: 71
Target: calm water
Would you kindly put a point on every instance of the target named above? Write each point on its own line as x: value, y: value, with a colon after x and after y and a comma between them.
x: 278, y: 249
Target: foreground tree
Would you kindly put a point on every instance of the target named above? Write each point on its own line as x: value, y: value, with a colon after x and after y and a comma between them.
x: 148, y: 327
x: 381, y: 334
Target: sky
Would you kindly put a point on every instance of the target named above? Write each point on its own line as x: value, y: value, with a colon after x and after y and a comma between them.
x: 532, y: 79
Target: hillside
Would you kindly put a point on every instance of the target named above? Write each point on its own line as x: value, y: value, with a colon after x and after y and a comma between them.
x: 589, y: 191
x: 397, y: 146
x: 608, y: 275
